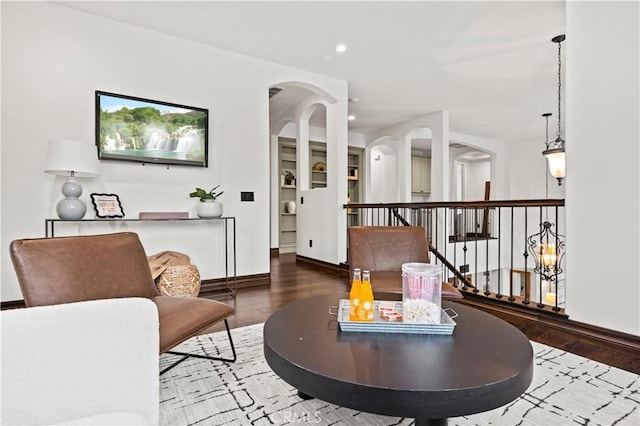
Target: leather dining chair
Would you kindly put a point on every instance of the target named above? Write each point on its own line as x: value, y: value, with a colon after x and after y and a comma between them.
x: 60, y: 270
x: 383, y: 249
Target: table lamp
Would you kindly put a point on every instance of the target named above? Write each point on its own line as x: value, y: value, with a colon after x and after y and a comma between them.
x: 71, y: 158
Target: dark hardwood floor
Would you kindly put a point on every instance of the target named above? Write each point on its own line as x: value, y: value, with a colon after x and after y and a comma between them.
x: 292, y: 280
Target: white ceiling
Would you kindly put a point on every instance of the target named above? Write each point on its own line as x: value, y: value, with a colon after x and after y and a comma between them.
x: 492, y: 65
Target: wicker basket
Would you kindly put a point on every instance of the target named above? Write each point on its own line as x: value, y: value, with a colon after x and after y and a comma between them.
x: 319, y: 166
x: 180, y: 280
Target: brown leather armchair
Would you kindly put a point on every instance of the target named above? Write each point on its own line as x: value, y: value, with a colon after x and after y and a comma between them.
x: 52, y: 271
x: 383, y: 249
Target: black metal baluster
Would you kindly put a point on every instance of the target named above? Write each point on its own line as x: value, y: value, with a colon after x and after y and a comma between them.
x: 511, y: 298
x: 540, y: 265
x: 434, y: 219
x: 444, y: 236
x: 499, y: 293
x: 526, y: 258
x: 555, y: 284
x: 487, y: 291
x: 455, y: 242
x: 475, y: 229
x: 464, y: 247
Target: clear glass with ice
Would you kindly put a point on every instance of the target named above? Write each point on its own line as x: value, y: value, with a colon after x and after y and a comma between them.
x: 421, y: 293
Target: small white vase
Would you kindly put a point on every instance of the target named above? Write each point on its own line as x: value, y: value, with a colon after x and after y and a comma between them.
x: 209, y: 208
x: 290, y: 207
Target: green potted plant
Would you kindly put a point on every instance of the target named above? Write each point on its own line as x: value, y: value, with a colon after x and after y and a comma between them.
x: 289, y: 178
x: 209, y: 206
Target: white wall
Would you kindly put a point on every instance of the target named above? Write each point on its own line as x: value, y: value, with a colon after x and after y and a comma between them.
x: 384, y: 176
x: 49, y: 76
x: 316, y: 134
x: 603, y: 178
x: 477, y: 173
x: 382, y: 179
x: 499, y: 167
x: 528, y: 171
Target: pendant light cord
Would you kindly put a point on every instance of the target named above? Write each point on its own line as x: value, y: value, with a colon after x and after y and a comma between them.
x: 546, y: 168
x: 559, y: 132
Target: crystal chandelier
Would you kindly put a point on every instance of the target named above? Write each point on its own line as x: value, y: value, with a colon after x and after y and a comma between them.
x: 555, y: 150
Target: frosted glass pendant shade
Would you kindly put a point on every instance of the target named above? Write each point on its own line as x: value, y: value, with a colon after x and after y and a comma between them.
x: 556, y: 158
x: 557, y: 164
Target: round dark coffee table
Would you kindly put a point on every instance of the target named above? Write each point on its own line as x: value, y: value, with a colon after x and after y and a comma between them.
x: 485, y: 364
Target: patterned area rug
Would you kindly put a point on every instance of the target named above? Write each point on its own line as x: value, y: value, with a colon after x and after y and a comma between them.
x: 566, y: 390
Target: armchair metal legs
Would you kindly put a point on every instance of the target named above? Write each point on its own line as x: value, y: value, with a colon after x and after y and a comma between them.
x: 187, y: 355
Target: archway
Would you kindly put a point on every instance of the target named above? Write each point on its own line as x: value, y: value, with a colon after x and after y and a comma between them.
x: 298, y: 115
x: 382, y: 182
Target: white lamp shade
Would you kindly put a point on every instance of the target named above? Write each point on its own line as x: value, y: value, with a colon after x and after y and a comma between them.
x: 557, y: 164
x: 66, y: 156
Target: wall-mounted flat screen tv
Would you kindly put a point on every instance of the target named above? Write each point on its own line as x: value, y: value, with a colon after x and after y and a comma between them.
x: 147, y: 131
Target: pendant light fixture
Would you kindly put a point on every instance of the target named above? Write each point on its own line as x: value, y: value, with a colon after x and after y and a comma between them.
x: 547, y: 247
x: 555, y: 150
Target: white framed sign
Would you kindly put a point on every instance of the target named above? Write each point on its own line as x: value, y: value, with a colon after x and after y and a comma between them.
x: 107, y: 206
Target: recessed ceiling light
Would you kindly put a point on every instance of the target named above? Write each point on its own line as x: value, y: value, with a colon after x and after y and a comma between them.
x: 351, y: 117
x: 341, y: 48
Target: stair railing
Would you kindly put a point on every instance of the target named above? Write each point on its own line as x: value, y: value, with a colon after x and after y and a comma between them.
x: 483, y: 245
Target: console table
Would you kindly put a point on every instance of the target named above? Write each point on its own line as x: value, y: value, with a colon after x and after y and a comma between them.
x: 229, y: 228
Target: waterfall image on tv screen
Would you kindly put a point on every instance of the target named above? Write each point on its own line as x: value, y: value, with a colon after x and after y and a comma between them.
x: 136, y: 129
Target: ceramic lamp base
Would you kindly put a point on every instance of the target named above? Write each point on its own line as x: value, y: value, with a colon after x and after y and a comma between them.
x: 71, y: 207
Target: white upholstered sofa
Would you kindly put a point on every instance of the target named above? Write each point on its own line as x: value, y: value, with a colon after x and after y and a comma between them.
x: 83, y: 363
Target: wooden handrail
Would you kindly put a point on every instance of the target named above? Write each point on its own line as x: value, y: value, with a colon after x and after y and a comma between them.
x: 465, y: 204
x: 397, y: 215
x: 449, y: 266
